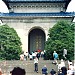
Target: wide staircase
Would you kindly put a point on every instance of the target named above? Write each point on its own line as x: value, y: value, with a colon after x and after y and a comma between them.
x: 28, y: 65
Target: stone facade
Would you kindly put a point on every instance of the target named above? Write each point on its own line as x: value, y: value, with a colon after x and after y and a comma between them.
x: 25, y: 24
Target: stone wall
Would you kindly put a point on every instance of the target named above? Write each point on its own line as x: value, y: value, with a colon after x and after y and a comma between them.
x: 24, y: 25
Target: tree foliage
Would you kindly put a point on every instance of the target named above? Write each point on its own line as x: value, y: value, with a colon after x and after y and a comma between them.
x: 10, y: 44
x: 60, y: 37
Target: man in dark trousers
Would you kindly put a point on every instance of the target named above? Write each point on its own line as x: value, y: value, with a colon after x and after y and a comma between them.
x: 36, y: 64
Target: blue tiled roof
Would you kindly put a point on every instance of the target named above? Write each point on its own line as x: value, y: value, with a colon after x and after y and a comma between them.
x: 34, y: 0
x: 37, y: 14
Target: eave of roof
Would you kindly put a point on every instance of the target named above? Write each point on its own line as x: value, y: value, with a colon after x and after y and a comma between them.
x: 35, y: 1
x: 61, y: 14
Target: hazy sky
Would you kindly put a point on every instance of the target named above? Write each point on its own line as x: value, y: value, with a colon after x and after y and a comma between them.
x: 3, y: 7
x: 71, y: 7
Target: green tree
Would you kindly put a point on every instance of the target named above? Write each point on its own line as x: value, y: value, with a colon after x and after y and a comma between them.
x: 10, y: 44
x: 60, y: 36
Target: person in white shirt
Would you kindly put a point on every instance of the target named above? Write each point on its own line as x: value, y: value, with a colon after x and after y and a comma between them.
x: 64, y: 53
x: 71, y: 67
x: 61, y: 64
x: 30, y: 56
x: 22, y: 57
x: 69, y: 63
x: 59, y: 67
x: 70, y: 72
x: 26, y: 55
x: 36, y: 64
x: 34, y: 55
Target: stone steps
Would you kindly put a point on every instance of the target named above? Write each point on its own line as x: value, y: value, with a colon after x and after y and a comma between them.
x: 28, y: 65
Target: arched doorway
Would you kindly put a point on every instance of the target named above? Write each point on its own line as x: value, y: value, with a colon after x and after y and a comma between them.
x: 36, y: 40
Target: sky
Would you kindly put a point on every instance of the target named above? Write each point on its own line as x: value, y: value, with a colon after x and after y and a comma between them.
x: 71, y: 7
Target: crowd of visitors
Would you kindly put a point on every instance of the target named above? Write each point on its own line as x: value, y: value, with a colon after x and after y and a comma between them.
x: 62, y: 69
x: 31, y: 56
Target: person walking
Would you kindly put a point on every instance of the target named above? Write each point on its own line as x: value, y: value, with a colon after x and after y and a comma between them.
x: 64, y: 53
x: 34, y: 55
x: 55, y: 55
x: 38, y: 55
x: 44, y: 70
x: 36, y: 64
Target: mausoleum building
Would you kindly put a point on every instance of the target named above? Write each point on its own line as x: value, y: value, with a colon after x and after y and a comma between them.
x: 33, y: 18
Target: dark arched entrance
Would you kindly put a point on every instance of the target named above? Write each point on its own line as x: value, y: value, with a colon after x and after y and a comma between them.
x: 36, y: 40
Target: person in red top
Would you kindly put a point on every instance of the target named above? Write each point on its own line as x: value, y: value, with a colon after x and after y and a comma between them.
x: 39, y: 50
